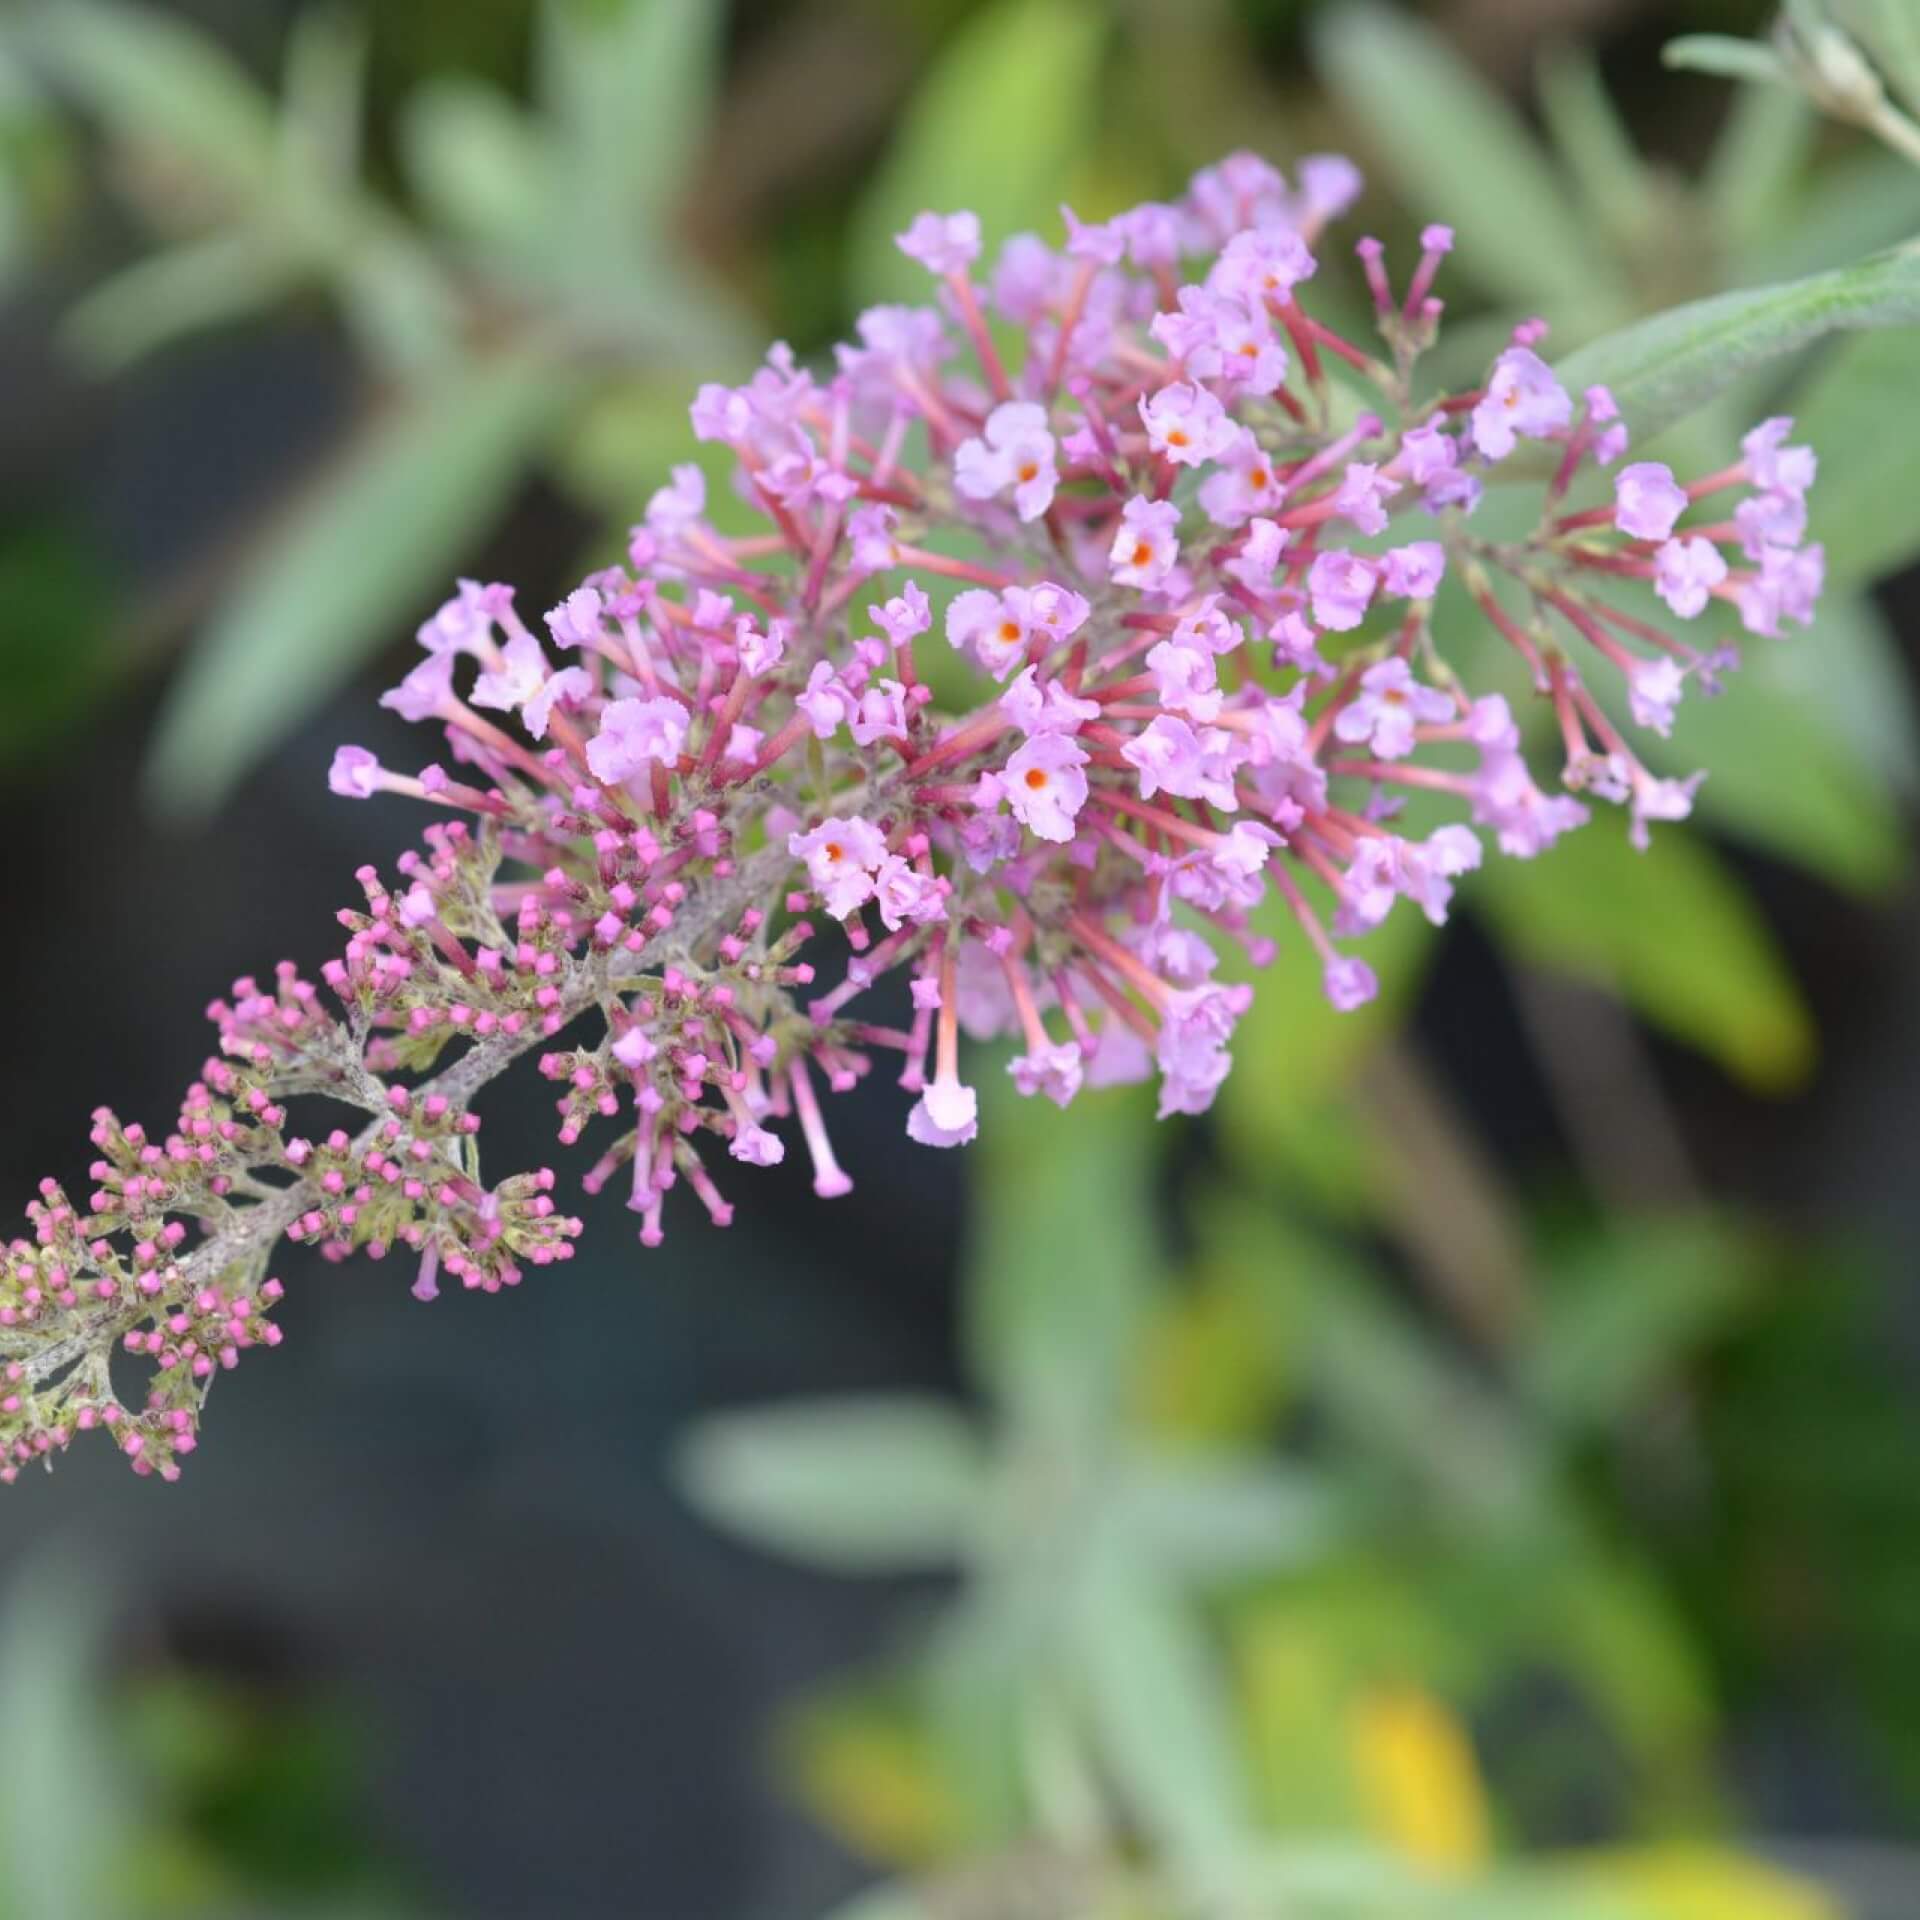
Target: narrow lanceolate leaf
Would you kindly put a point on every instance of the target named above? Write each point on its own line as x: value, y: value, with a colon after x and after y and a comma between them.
x: 1670, y: 932
x: 626, y: 86
x: 997, y: 127
x: 160, y: 83
x: 1757, y: 163
x: 1725, y: 56
x: 886, y: 1484
x: 1458, y: 152
x: 1593, y: 142
x: 371, y: 543
x: 1866, y: 511
x: 1666, y: 367
x: 1890, y: 32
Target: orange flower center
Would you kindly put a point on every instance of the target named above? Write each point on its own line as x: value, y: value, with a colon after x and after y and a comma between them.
x: 1036, y: 779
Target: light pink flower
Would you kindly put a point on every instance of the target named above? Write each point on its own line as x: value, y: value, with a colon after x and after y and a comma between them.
x: 1045, y: 787
x: 1017, y: 453
x: 635, y: 734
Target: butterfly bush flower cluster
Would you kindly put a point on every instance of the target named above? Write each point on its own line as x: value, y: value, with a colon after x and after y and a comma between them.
x: 716, y: 850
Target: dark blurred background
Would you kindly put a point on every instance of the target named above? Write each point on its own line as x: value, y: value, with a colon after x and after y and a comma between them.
x: 428, y: 1627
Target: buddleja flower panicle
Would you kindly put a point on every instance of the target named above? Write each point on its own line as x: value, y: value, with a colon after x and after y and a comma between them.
x: 1127, y: 482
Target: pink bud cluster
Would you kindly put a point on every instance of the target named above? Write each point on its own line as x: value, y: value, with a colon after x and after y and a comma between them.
x: 1183, y: 541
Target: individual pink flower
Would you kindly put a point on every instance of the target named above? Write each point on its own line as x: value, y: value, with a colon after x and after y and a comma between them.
x: 1145, y: 547
x: 522, y: 672
x: 635, y: 734
x: 465, y: 623
x: 827, y: 701
x: 1413, y: 572
x: 882, y: 713
x: 1261, y: 265
x: 576, y: 621
x: 1045, y: 786
x: 1647, y: 500
x: 570, y: 687
x: 1169, y: 754
x: 1653, y: 692
x: 1243, y: 485
x: 1784, y: 587
x: 1017, y: 453
x: 1195, y: 1026
x: 1340, y: 585
x: 904, y: 895
x: 903, y: 618
x: 355, y: 774
x: 943, y: 243
x: 1685, y: 572
x: 1770, y: 520
x: 761, y: 649
x: 1775, y: 467
x: 425, y: 691
x: 947, y: 1114
x: 841, y: 856
x: 1053, y: 1070
x: 1386, y: 708
x: 1049, y: 709
x: 1362, y: 496
x: 1187, y: 425
x: 755, y: 1146
x: 990, y: 626
x: 1185, y: 680
x: 1522, y: 400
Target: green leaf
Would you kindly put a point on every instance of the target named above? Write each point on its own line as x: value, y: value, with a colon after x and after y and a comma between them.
x: 1155, y: 1690
x: 202, y: 283
x: 481, y: 167
x: 626, y: 86
x: 1726, y: 57
x: 997, y: 126
x: 1670, y: 932
x: 885, y: 1484
x: 1065, y: 1255
x: 1757, y: 163
x: 1664, y: 368
x: 1458, y: 152
x: 1855, y: 205
x: 158, y: 82
x: 373, y: 540
x: 1889, y: 30
x: 1204, y: 1519
x: 1627, y: 1308
x: 66, y: 1818
x: 1593, y: 142
x: 1864, y: 510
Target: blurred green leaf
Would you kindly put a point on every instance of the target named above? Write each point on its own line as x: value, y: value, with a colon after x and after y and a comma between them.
x: 1790, y: 772
x: 1664, y: 368
x: 228, y: 276
x: 1207, y: 1519
x: 157, y: 81
x: 1865, y: 509
x: 375, y: 537
x: 997, y: 126
x: 1670, y: 932
x: 1756, y: 166
x: 67, y: 1820
x: 1857, y: 204
x: 1626, y: 1308
x: 1851, y: 666
x: 1726, y: 57
x: 1458, y: 152
x: 626, y: 85
x: 1889, y: 31
x: 1065, y: 1255
x: 1155, y: 1690
x: 1593, y: 142
x: 326, y: 75
x: 883, y: 1484
x: 482, y: 168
